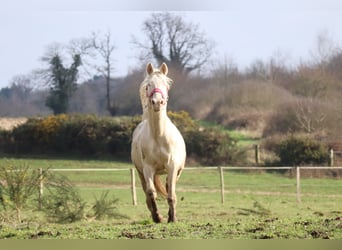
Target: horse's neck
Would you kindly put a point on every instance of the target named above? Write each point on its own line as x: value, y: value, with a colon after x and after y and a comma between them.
x: 157, y: 122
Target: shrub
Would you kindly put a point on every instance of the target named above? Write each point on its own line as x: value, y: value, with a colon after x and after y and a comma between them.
x: 209, y: 146
x: 84, y: 134
x: 183, y: 121
x: 304, y: 116
x: 62, y: 203
x: 91, y: 135
x: 105, y: 207
x: 299, y: 150
x: 18, y: 184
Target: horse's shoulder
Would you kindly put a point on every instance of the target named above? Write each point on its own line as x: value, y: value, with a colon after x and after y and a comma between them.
x: 140, y: 127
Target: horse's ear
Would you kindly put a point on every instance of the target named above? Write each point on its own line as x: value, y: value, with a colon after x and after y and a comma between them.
x: 163, y: 69
x: 149, y: 69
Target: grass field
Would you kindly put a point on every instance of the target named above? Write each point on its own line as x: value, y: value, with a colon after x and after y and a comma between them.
x: 257, y: 205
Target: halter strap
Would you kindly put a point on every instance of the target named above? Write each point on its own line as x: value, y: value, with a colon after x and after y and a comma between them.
x: 156, y: 90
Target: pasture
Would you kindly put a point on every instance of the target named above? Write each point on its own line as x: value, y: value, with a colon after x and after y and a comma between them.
x: 258, y: 205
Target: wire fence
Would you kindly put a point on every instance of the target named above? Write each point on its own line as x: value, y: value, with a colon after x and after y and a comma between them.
x: 217, y: 175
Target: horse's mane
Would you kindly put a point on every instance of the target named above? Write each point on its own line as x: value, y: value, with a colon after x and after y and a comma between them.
x: 142, y: 90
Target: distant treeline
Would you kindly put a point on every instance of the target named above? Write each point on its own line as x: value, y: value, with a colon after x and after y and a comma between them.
x: 268, y: 97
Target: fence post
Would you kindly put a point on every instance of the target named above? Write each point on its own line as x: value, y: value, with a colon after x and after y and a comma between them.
x: 41, y: 187
x: 134, y: 193
x: 298, y: 184
x: 220, y: 169
x: 331, y: 157
x: 257, y: 154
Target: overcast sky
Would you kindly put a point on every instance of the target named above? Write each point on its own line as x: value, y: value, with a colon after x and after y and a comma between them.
x: 242, y: 30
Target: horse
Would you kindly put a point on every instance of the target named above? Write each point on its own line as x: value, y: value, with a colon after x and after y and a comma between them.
x: 157, y: 145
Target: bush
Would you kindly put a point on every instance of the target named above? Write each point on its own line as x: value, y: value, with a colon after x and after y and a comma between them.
x: 105, y: 207
x: 18, y: 184
x: 83, y: 134
x: 299, y: 150
x: 63, y: 203
x: 91, y: 135
x: 183, y: 121
x: 304, y: 116
x: 209, y: 146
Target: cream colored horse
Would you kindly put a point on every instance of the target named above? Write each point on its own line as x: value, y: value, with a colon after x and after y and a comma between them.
x: 157, y: 146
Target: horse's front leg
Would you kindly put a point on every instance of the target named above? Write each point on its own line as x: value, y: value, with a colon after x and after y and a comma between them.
x: 171, y: 197
x: 151, y: 195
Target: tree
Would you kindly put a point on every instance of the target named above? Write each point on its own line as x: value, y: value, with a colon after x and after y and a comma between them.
x: 105, y: 48
x: 226, y: 72
x: 63, y: 82
x: 19, y: 99
x: 97, y: 52
x: 178, y: 43
x: 258, y: 70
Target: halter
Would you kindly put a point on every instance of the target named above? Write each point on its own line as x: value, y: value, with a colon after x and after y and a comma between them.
x: 167, y: 82
x: 156, y: 90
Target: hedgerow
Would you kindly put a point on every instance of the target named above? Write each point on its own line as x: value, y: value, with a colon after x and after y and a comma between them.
x: 84, y: 134
x: 92, y: 135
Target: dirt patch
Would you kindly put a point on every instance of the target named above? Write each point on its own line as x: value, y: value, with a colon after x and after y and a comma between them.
x: 8, y: 123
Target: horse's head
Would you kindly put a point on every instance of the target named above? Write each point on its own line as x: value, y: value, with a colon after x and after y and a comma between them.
x: 157, y: 86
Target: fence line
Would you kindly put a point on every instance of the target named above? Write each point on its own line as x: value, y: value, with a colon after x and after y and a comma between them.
x: 331, y: 154
x: 219, y: 168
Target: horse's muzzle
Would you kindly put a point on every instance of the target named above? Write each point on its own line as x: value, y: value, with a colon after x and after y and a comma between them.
x: 157, y: 104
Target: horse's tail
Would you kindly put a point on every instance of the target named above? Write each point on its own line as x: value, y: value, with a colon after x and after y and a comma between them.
x: 160, y: 187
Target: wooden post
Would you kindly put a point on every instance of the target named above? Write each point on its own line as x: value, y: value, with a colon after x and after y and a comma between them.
x: 257, y: 154
x: 222, y: 183
x: 331, y: 158
x: 134, y: 193
x: 298, y: 185
x: 41, y: 187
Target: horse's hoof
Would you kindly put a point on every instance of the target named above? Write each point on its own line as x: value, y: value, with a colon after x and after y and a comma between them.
x: 172, y: 220
x: 157, y: 219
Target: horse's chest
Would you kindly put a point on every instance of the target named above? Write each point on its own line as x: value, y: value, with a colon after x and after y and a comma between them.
x: 157, y: 154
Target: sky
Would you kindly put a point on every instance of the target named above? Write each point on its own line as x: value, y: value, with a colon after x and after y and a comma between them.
x: 243, y: 30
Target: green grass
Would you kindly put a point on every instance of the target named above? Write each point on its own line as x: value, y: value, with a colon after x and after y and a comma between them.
x: 257, y: 205
x: 243, y: 138
x: 201, y: 217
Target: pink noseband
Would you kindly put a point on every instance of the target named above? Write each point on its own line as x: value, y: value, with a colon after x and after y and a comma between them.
x: 156, y: 90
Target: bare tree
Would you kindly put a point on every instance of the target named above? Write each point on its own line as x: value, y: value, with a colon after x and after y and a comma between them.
x: 226, y: 72
x: 309, y: 115
x: 258, y: 70
x: 172, y: 40
x: 105, y: 47
x: 325, y: 49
